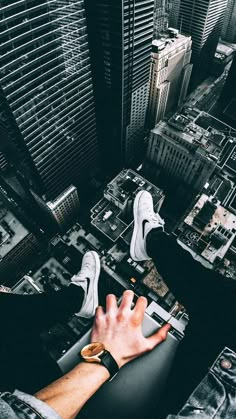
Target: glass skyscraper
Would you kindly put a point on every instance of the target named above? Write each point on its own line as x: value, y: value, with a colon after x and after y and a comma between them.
x: 47, y: 106
x: 229, y: 26
x: 120, y: 34
x: 202, y: 19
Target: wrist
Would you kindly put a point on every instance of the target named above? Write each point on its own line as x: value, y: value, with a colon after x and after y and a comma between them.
x: 117, y: 357
x: 97, y: 352
x: 116, y: 353
x: 95, y: 368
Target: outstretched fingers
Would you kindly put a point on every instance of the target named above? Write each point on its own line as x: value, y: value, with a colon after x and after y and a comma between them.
x: 99, y: 315
x: 139, y: 310
x: 127, y: 300
x: 111, y: 303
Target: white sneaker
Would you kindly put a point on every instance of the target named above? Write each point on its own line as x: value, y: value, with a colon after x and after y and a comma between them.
x: 87, y: 278
x: 145, y: 219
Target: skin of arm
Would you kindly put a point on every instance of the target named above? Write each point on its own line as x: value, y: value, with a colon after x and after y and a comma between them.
x: 120, y: 330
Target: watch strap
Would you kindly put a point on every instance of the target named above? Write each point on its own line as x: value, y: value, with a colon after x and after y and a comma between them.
x: 109, y: 362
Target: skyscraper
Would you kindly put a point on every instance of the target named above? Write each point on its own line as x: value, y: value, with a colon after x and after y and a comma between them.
x: 227, y: 101
x: 162, y: 10
x: 202, y: 19
x: 46, y: 98
x: 174, y: 14
x: 65, y: 208
x: 229, y: 25
x: 19, y: 248
x: 182, y: 151
x: 120, y: 39
x: 170, y: 74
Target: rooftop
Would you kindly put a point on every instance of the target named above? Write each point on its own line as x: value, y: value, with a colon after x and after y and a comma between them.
x: 12, y: 232
x: 209, y: 229
x: 112, y: 216
x: 62, y: 197
x: 195, y: 128
x: 206, y: 120
x: 220, y: 187
x: 224, y: 49
x: 167, y: 43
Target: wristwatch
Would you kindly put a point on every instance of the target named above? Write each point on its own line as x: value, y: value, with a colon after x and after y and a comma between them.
x: 96, y: 352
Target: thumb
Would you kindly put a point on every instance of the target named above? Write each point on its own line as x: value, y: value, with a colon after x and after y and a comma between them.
x: 159, y: 336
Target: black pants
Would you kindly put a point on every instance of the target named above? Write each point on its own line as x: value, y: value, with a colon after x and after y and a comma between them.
x: 23, y: 363
x: 210, y: 300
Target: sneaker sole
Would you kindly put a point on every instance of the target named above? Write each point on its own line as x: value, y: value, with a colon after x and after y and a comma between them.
x: 94, y: 285
x: 135, y: 231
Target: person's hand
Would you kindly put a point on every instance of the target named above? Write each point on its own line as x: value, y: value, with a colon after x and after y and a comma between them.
x: 120, y: 328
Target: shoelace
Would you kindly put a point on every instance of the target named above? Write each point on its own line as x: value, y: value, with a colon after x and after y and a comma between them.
x: 155, y: 217
x: 157, y: 221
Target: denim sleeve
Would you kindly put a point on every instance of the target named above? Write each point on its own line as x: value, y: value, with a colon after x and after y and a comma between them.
x: 20, y: 405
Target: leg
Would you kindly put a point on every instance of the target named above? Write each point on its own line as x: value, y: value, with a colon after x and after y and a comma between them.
x: 208, y: 296
x: 24, y: 364
x: 36, y: 312
x: 190, y: 282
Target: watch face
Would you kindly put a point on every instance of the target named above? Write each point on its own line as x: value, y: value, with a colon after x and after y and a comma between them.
x: 92, y: 349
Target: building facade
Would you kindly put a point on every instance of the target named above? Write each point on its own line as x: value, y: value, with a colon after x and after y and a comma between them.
x: 170, y: 74
x: 227, y: 100
x: 174, y: 14
x: 202, y: 19
x: 65, y: 208
x: 120, y: 39
x: 46, y: 97
x: 162, y: 10
x: 229, y: 26
x: 185, y: 149
x: 18, y: 247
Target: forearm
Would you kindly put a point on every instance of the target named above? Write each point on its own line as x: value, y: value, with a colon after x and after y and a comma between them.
x: 69, y: 394
x: 119, y: 330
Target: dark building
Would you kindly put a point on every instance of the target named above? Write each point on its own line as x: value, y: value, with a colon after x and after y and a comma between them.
x: 227, y: 100
x: 229, y: 27
x: 19, y: 248
x: 174, y: 14
x: 202, y: 19
x: 47, y: 107
x: 120, y: 34
x: 162, y: 9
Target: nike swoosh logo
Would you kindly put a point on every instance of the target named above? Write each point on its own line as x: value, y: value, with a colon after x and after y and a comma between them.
x: 144, y: 223
x: 88, y: 283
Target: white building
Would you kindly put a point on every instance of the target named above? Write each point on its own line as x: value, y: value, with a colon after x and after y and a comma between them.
x: 181, y: 149
x: 65, y: 207
x: 170, y: 74
x: 208, y: 232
